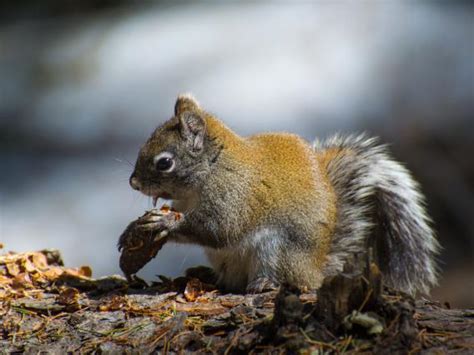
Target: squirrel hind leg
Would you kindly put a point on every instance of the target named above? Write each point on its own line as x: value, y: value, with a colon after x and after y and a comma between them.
x: 261, y: 284
x: 230, y: 267
x: 261, y: 261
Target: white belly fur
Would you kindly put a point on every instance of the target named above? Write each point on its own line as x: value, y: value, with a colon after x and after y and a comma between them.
x: 257, y: 255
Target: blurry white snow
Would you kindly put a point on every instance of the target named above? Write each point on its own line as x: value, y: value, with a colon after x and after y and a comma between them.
x: 259, y: 67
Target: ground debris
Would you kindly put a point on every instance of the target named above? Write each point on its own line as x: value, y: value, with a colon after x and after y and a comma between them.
x: 46, y: 307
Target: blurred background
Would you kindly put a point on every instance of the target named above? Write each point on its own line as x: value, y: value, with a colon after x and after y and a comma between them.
x: 83, y: 84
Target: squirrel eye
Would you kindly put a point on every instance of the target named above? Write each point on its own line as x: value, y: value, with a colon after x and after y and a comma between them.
x: 164, y: 162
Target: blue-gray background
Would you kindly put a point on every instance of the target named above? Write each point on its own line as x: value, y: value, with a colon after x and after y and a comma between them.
x: 83, y: 84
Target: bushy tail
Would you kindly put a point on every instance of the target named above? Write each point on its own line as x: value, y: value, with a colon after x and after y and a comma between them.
x: 379, y: 205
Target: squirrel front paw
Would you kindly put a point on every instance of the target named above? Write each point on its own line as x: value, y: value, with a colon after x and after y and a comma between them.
x: 144, y: 237
x: 156, y: 221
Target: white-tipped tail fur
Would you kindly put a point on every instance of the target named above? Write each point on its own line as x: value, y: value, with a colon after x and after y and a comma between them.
x: 379, y: 205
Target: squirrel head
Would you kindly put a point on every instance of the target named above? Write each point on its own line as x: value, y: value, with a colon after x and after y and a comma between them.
x: 176, y: 158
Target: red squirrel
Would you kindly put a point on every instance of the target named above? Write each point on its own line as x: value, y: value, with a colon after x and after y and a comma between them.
x: 271, y: 208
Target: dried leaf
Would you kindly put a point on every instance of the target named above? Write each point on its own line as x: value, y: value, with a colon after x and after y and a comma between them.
x: 200, y: 308
x: 53, y: 273
x: 21, y: 281
x: 13, y: 268
x: 193, y: 290
x: 68, y: 296
x: 114, y: 304
x: 85, y: 271
x: 39, y: 260
x: 5, y: 280
x: 28, y: 266
x: 76, y: 273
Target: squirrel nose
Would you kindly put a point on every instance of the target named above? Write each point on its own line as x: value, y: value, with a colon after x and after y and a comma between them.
x: 134, y: 183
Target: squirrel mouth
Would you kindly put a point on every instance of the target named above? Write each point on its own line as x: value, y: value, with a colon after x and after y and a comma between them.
x: 164, y: 195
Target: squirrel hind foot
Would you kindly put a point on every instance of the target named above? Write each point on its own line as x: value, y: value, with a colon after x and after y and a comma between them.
x: 260, y: 285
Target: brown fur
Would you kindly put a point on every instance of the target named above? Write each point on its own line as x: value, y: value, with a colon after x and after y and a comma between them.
x: 286, y: 177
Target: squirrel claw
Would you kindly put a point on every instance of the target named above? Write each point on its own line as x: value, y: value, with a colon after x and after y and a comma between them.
x: 153, y: 222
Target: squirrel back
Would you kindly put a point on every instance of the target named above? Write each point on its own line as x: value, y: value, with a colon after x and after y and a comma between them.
x: 378, y: 205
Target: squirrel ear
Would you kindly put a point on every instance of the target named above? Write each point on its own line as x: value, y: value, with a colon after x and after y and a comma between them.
x: 186, y: 102
x: 192, y: 128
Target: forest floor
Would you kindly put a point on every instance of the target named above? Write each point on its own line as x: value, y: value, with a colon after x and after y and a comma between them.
x: 45, y: 307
